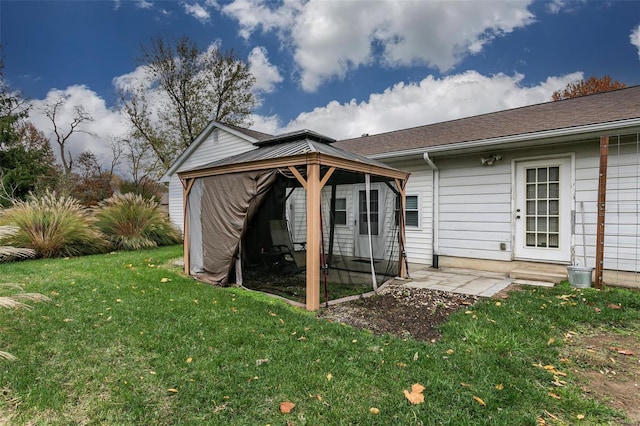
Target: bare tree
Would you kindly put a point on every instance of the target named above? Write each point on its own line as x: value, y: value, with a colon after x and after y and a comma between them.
x: 188, y: 87
x: 63, y: 132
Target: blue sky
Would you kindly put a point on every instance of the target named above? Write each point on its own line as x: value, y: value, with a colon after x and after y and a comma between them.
x: 342, y: 68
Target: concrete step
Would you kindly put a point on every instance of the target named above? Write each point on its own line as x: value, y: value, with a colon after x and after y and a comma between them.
x: 538, y: 275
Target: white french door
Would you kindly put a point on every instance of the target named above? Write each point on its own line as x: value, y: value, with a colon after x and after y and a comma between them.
x: 376, y: 214
x: 543, y: 210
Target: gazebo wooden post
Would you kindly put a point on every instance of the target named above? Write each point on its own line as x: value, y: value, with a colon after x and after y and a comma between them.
x: 313, y: 236
x: 403, y: 270
x: 186, y: 189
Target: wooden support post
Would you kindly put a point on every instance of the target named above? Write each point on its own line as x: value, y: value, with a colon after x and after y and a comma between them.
x: 186, y: 189
x: 332, y: 222
x: 403, y: 270
x: 602, y: 203
x: 313, y: 237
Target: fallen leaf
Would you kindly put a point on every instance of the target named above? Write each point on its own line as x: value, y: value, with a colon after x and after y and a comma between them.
x: 598, y: 310
x: 551, y: 341
x: 374, y: 410
x: 415, y: 356
x: 450, y: 351
x: 172, y: 390
x: 329, y: 377
x: 580, y: 416
x: 286, y: 407
x: 67, y: 320
x: 499, y: 386
x: 480, y: 401
x: 465, y: 385
x: 261, y: 361
x: 621, y: 351
x: 614, y: 306
x: 541, y: 421
x: 164, y: 280
x: 401, y: 364
x: 415, y: 396
x: 498, y: 303
x: 189, y: 360
x: 553, y: 395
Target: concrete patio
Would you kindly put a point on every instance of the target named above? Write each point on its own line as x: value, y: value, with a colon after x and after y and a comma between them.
x: 466, y: 281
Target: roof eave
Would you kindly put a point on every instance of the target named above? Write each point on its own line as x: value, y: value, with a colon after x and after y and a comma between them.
x: 548, y: 136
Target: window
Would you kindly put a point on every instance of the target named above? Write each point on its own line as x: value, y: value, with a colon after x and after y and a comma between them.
x: 340, y: 217
x: 412, y: 213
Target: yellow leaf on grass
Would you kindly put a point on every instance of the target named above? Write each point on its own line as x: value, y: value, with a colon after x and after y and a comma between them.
x: 551, y: 341
x: 480, y: 401
x: 415, y: 396
x: 553, y: 395
x: 172, y: 390
x: 165, y: 280
x: 374, y: 410
x: 329, y: 377
x: 286, y: 407
x: 499, y: 386
x: 189, y: 360
x: 580, y: 416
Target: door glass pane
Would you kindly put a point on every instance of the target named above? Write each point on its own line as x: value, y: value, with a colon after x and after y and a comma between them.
x: 542, y: 201
x: 531, y: 175
x: 373, y: 211
x: 542, y: 207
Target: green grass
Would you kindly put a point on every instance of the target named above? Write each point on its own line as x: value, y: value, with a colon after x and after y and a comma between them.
x: 124, y: 328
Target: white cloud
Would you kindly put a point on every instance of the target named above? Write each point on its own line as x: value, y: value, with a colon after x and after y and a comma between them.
x: 557, y: 6
x: 197, y: 11
x: 330, y: 38
x: 429, y: 101
x: 266, y: 74
x: 635, y: 38
x: 144, y: 4
x: 257, y: 14
x: 107, y: 123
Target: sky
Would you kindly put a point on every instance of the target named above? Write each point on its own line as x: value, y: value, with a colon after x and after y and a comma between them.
x: 340, y: 68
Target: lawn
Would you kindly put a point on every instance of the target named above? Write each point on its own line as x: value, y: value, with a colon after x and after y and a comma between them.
x: 128, y: 340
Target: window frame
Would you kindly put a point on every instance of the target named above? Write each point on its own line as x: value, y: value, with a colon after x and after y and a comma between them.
x: 345, y: 210
x: 417, y: 210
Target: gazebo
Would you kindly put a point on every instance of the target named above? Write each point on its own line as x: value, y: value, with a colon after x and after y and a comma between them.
x: 226, y: 201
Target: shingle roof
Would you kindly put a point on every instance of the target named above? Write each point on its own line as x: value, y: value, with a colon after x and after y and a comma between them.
x: 599, y: 108
x: 252, y: 133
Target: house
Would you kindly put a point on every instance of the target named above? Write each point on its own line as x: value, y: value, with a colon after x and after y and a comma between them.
x: 504, y: 191
x: 215, y: 142
x: 511, y: 189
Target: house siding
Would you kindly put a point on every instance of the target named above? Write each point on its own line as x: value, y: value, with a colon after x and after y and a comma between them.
x: 419, y: 240
x: 622, y: 217
x: 207, y: 152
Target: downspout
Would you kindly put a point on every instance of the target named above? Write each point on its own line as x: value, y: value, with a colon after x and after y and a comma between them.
x: 436, y: 209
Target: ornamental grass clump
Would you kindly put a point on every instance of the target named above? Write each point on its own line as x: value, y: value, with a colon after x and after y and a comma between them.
x: 53, y: 226
x: 131, y: 222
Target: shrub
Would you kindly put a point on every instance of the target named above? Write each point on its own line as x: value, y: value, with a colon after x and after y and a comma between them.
x: 53, y: 226
x: 8, y: 252
x: 131, y: 223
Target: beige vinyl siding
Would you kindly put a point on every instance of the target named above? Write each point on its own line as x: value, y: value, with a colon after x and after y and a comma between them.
x: 208, y: 151
x: 474, y: 209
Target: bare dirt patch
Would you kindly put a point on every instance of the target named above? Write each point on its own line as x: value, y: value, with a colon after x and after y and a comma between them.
x: 608, y: 364
x: 400, y: 311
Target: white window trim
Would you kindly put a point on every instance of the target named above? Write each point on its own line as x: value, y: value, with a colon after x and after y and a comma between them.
x: 418, y: 209
x: 346, y: 213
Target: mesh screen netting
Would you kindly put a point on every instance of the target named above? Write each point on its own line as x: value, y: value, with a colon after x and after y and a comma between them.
x: 359, y: 217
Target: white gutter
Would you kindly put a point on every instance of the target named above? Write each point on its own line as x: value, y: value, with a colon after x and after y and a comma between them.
x: 524, y: 137
x: 435, y: 243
